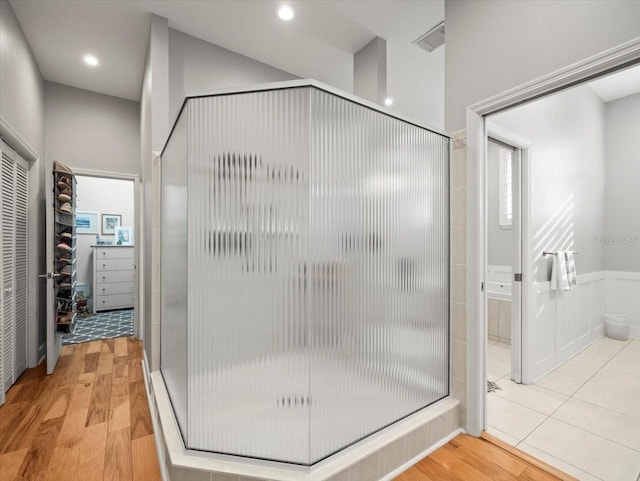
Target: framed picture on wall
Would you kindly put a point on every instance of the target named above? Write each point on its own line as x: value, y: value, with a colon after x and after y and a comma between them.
x: 124, y: 236
x: 110, y: 222
x: 86, y: 223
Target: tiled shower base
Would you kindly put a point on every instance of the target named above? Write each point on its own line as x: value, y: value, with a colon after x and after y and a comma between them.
x: 381, y: 456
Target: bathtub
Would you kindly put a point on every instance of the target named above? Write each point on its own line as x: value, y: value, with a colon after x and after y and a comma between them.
x: 498, y: 284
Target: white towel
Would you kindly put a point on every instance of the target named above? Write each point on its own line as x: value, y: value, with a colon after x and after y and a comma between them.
x: 571, y: 269
x: 563, y: 271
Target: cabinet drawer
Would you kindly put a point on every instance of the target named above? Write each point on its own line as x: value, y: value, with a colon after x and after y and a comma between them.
x: 106, y: 277
x: 115, y: 288
x: 113, y: 253
x: 114, y: 265
x: 113, y: 302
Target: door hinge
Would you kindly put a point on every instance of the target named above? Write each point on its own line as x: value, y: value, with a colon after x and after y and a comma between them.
x: 517, y: 277
x: 482, y: 287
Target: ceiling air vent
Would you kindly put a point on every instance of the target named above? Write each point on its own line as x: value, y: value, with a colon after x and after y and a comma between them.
x: 432, y: 39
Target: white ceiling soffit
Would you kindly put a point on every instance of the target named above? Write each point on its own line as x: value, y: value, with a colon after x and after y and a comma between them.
x: 617, y: 85
x: 61, y: 33
x: 318, y: 43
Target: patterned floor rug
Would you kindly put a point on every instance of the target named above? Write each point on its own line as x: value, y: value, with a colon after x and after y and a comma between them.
x: 103, y: 325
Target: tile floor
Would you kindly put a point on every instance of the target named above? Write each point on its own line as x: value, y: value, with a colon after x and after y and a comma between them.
x: 583, y: 417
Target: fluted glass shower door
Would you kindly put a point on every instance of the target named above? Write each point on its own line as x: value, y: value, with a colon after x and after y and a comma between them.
x: 304, y: 271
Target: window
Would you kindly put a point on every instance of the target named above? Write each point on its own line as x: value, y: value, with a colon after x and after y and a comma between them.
x: 506, y: 189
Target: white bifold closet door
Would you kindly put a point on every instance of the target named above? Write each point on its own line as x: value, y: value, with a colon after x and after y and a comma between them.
x: 14, y: 194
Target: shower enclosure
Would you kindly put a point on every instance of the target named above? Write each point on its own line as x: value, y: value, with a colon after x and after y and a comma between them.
x: 305, y: 271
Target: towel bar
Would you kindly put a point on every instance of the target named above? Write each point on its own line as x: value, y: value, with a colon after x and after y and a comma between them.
x: 546, y: 253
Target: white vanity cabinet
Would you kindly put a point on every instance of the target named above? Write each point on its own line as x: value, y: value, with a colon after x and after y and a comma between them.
x: 113, y: 277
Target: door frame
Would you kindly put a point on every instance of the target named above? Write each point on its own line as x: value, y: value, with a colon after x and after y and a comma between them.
x: 600, y: 64
x: 138, y: 298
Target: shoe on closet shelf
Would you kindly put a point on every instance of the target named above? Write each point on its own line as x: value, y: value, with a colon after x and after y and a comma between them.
x: 60, y: 167
x: 64, y: 256
x: 66, y: 190
x: 66, y: 235
x: 65, y: 318
x: 66, y: 207
x: 65, y: 271
x: 62, y: 245
x: 64, y: 197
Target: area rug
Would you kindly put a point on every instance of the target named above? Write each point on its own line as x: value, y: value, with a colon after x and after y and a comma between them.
x: 103, y: 325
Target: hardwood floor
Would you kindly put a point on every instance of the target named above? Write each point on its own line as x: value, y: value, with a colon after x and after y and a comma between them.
x: 466, y: 458
x: 88, y: 421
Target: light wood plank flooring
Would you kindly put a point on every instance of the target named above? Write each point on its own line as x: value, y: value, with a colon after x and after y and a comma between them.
x: 88, y: 421
x: 466, y: 458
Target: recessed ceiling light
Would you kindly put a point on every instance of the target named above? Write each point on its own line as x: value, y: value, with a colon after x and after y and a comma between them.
x: 285, y: 12
x: 388, y: 101
x: 91, y: 60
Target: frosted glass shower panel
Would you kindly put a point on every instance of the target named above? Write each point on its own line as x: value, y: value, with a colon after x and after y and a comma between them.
x: 305, y: 272
x: 248, y: 243
x: 173, y: 303
x: 378, y: 271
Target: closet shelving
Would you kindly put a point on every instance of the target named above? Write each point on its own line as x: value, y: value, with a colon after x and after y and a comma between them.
x: 65, y: 273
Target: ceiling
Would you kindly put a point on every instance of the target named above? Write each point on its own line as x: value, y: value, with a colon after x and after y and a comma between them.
x: 617, y: 85
x: 324, y: 34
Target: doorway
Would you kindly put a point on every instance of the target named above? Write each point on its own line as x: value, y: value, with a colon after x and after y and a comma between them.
x: 573, y: 374
x: 105, y: 253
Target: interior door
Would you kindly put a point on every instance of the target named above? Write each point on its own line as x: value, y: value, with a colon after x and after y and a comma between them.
x: 14, y: 267
x: 516, y: 285
x: 54, y: 338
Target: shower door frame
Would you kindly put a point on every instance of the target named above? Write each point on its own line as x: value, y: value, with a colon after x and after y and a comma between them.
x: 616, y: 58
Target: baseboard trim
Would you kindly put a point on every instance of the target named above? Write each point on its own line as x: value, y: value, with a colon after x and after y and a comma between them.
x: 527, y: 457
x: 154, y: 418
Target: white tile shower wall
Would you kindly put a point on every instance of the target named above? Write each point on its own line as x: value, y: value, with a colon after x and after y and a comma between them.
x: 499, y: 320
x: 565, y: 322
x: 459, y: 271
x: 623, y: 297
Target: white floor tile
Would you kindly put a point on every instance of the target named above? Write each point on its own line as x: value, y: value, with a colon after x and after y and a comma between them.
x: 496, y: 376
x: 511, y: 418
x: 557, y: 463
x: 586, y: 451
x: 502, y: 435
x: 613, y: 390
x: 533, y: 397
x: 592, y: 359
x: 499, y: 359
x: 562, y: 383
x: 603, y: 422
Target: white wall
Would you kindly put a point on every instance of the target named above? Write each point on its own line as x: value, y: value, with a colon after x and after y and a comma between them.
x: 415, y: 82
x: 495, y: 45
x: 22, y: 111
x: 197, y: 67
x: 102, y: 196
x: 21, y: 84
x: 621, y: 243
x: 499, y: 240
x: 92, y: 131
x: 370, y: 71
x: 566, y: 131
x: 154, y: 128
